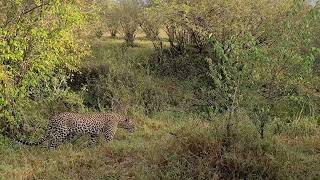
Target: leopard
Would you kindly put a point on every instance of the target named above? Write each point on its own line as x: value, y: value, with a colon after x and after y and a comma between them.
x: 70, y: 126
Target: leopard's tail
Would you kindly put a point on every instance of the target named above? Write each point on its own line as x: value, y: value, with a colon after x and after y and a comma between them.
x: 30, y: 143
x: 14, y: 138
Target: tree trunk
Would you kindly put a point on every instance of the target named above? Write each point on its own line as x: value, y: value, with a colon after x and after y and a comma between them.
x: 113, y: 33
x: 129, y: 38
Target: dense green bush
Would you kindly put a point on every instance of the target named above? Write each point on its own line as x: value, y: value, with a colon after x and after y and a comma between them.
x: 38, y: 46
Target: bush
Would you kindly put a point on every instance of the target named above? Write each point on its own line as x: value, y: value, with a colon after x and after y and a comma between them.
x: 37, y: 46
x: 196, y: 151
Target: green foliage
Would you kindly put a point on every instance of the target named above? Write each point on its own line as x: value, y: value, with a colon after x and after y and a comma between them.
x: 267, y: 54
x: 38, y: 46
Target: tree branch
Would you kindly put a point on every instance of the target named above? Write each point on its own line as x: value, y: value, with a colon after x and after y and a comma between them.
x: 24, y: 13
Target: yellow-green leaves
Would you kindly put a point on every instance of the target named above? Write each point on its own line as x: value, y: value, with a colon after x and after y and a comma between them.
x: 37, y: 43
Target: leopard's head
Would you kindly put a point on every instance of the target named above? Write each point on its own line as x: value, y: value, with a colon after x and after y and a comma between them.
x: 126, y: 124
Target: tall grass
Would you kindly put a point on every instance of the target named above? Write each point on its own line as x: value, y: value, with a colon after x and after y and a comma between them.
x: 185, y: 147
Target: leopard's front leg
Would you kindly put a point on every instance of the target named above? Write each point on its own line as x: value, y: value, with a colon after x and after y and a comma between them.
x: 109, y: 133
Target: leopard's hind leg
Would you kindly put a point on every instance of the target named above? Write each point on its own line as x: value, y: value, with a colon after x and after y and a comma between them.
x: 57, y: 138
x: 94, y: 138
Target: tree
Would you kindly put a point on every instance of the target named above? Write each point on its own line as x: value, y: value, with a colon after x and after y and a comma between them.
x: 112, y: 17
x: 129, y: 10
x: 151, y: 21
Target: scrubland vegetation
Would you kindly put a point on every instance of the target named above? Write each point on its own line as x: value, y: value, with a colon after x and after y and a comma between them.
x: 225, y: 89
